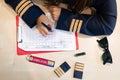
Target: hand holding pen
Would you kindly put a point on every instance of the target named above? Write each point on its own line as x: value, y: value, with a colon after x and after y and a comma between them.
x: 44, y: 25
x: 47, y: 26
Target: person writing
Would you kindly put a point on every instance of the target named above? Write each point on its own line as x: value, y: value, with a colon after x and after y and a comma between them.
x: 102, y: 22
x: 31, y: 14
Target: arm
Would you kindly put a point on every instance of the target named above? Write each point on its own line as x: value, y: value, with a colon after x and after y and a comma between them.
x: 27, y: 10
x: 102, y: 23
x: 31, y: 14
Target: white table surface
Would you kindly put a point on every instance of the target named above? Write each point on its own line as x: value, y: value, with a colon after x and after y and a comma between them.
x: 14, y: 67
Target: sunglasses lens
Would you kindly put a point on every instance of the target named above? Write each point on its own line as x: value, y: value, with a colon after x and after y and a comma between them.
x: 107, y: 57
x: 103, y: 43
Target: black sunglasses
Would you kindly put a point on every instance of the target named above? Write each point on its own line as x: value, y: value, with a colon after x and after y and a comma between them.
x: 106, y: 57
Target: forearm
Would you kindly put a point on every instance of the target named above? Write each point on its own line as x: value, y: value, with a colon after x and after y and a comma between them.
x: 87, y: 24
x: 101, y: 23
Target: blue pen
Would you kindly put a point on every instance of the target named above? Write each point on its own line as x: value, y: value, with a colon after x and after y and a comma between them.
x: 47, y: 26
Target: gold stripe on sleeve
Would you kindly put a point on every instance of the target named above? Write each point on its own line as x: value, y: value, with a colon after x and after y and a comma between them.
x: 75, y: 26
x: 25, y: 9
x: 20, y: 4
x: 72, y: 24
x: 79, y: 25
x: 23, y: 6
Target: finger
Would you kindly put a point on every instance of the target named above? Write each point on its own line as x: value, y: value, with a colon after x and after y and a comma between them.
x: 42, y: 33
x: 41, y: 30
x: 48, y: 25
x: 55, y: 18
x: 46, y: 21
x: 46, y: 31
x: 51, y: 24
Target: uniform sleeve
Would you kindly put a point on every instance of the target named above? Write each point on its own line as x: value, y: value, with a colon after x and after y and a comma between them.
x: 102, y: 23
x: 27, y: 10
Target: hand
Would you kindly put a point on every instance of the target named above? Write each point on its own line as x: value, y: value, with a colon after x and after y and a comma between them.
x: 43, y: 30
x: 55, y: 12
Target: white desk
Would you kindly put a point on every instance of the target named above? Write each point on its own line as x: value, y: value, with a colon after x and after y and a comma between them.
x: 14, y: 67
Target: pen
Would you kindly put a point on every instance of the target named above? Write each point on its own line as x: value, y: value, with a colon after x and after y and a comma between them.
x: 80, y: 54
x: 47, y: 26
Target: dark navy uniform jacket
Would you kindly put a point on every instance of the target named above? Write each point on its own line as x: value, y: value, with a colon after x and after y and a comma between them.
x: 101, y: 23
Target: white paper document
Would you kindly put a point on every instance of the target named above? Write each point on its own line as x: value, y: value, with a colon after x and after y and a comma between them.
x: 32, y: 40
